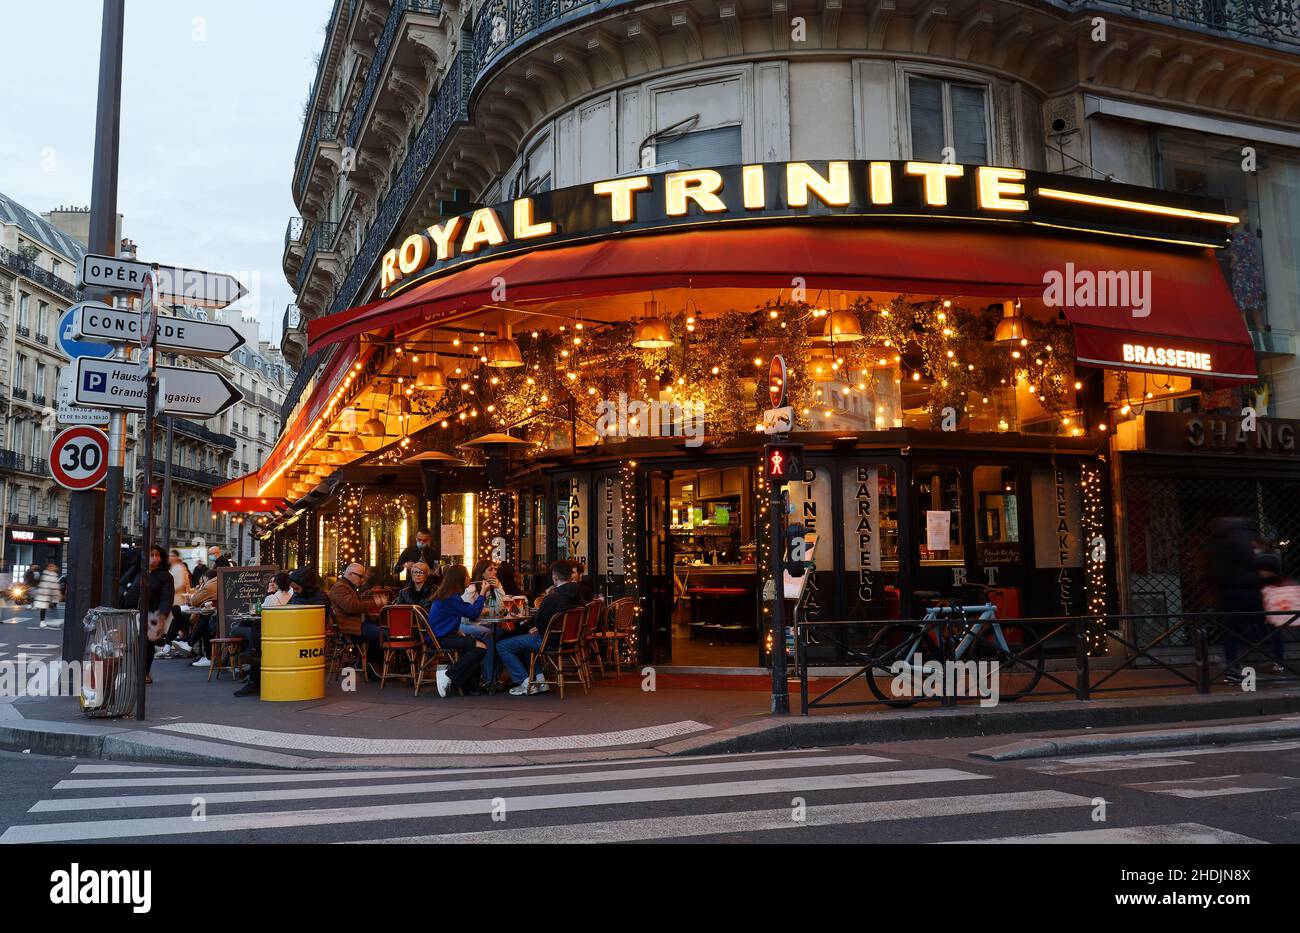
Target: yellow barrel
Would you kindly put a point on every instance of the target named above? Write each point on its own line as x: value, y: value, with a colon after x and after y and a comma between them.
x: 293, y: 653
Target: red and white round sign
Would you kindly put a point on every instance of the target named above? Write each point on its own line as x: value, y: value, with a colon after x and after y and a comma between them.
x: 79, y: 457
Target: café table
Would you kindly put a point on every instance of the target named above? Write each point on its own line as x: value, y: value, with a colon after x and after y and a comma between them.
x: 492, y: 623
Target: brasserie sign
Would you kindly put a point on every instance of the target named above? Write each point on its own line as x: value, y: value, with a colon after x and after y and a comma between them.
x: 885, y: 191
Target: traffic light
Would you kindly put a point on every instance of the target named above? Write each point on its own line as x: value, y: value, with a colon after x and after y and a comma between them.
x: 155, y: 497
x: 783, y: 463
x: 796, y: 550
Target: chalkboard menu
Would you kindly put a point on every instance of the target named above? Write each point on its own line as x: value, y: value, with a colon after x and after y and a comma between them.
x: 240, y: 590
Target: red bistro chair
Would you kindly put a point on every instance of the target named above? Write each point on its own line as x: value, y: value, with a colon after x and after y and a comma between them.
x: 399, y: 628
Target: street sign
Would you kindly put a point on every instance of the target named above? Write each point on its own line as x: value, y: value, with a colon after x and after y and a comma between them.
x: 68, y: 336
x: 776, y: 381
x: 79, y: 458
x: 176, y: 284
x: 117, y: 384
x: 67, y: 412
x: 778, y: 420
x: 148, y: 309
x: 99, y: 322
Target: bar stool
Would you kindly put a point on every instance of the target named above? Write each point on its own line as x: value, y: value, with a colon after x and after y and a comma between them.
x: 225, y: 651
x: 713, y: 594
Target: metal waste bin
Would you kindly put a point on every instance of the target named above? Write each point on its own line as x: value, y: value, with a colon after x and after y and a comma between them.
x: 293, y: 653
x: 110, y: 664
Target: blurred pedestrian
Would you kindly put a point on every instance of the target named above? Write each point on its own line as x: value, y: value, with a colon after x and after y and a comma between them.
x: 1234, y: 566
x: 47, y: 590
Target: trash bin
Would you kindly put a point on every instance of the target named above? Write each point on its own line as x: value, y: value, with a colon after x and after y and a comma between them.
x: 110, y: 664
x: 293, y: 653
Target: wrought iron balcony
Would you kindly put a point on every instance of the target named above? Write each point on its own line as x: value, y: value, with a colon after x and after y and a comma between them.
x: 13, y: 518
x: 43, y: 339
x: 339, y: 17
x: 325, y: 130
x: 24, y: 331
x: 1268, y: 21
x: 28, y: 267
x: 31, y: 519
x: 395, y: 14
x: 38, y: 399
x: 20, y: 393
x: 9, y: 460
x: 39, y: 465
x: 323, y: 236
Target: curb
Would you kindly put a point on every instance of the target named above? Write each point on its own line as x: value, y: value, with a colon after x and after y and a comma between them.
x: 1134, y: 741
x: 770, y: 735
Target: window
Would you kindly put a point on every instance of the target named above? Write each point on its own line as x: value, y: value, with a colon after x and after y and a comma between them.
x: 938, y: 512
x: 55, y: 266
x: 20, y: 371
x: 39, y: 387
x: 702, y: 148
x: 24, y: 309
x: 946, y: 114
x: 997, y: 515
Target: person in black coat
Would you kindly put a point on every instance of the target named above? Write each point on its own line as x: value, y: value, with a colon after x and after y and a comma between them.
x: 421, y: 550
x: 1233, y: 563
x: 161, y: 590
x: 418, y: 590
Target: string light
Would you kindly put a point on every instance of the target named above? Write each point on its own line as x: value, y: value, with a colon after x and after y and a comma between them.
x: 1090, y: 479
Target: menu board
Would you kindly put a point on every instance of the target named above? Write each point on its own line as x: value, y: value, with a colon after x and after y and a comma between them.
x: 240, y: 590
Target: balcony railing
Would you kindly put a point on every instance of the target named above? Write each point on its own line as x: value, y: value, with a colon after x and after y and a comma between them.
x: 395, y: 13
x: 39, y: 465
x: 10, y: 460
x: 1270, y: 21
x: 317, y: 86
x: 13, y: 518
x: 24, y: 331
x: 20, y: 394
x: 38, y: 399
x: 43, y: 339
x: 31, y: 519
x: 28, y: 267
x: 323, y: 236
x: 325, y: 130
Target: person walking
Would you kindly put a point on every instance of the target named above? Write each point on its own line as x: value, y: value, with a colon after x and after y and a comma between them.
x: 159, y: 581
x: 47, y: 591
x: 1234, y: 567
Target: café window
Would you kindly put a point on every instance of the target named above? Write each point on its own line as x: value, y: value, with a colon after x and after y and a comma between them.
x: 711, y: 521
x: 938, y: 509
x: 943, y: 114
x: 388, y: 525
x: 997, y: 514
x: 459, y: 529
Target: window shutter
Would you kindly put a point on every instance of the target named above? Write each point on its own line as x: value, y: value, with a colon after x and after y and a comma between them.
x: 925, y: 105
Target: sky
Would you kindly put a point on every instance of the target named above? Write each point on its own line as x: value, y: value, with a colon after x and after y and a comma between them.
x: 212, y: 101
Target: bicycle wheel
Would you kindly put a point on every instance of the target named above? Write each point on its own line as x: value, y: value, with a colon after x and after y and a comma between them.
x: 894, y: 658
x: 1015, y: 649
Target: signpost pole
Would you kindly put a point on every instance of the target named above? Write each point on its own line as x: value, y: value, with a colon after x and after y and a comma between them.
x: 167, y: 485
x: 86, y: 509
x: 148, y: 334
x: 776, y: 516
x: 113, y: 489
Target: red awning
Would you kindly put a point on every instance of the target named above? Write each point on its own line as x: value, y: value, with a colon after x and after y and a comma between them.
x: 1191, y: 310
x: 245, y: 494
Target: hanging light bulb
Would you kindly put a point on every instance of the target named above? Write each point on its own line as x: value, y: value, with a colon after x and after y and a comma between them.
x: 652, y: 332
x: 1012, y: 326
x: 504, y: 352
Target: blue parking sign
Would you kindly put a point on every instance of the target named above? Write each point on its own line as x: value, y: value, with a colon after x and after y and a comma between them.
x: 76, y: 348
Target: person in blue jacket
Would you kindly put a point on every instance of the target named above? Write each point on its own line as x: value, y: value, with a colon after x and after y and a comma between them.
x: 446, y: 610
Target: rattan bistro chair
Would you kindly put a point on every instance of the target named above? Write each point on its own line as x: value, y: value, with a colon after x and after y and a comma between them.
x: 566, y: 657
x: 590, y: 644
x: 617, y: 631
x: 399, y: 638
x: 431, y: 653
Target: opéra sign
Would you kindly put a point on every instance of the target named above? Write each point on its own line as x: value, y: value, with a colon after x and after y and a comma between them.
x: 781, y: 190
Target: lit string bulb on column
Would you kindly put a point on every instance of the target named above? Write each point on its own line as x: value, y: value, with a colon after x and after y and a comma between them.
x: 627, y: 505
x: 1095, y: 582
x: 349, y: 525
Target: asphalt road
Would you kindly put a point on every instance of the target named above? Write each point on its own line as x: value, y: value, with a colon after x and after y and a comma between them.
x: 903, y: 793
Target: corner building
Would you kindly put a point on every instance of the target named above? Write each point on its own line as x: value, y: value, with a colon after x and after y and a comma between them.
x: 1026, y: 262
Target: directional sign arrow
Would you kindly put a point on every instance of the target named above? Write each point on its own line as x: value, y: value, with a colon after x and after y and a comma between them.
x: 176, y: 284
x: 99, y: 322
x: 198, y: 393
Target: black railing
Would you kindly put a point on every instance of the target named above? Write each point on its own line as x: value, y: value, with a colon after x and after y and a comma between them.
x: 24, y: 331
x: 1271, y: 21
x: 395, y: 14
x: 1174, y: 652
x: 43, y: 339
x: 20, y: 394
x: 10, y: 460
x: 323, y: 236
x: 194, y: 429
x: 39, y: 465
x: 325, y: 130
x: 190, y: 475
x: 317, y: 85
x: 38, y: 399
x: 13, y: 518
x: 31, y: 519
x: 28, y: 267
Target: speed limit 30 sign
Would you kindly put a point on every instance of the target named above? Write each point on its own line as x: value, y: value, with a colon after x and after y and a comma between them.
x: 79, y: 458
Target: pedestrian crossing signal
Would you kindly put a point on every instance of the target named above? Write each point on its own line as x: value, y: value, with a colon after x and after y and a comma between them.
x: 783, y: 463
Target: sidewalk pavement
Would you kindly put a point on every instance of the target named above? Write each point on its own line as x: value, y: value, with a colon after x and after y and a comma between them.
x: 193, y: 721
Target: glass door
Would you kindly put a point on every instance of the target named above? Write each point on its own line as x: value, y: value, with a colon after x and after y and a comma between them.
x: 660, y: 583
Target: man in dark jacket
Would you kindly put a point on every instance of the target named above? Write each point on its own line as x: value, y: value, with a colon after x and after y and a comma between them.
x: 420, y: 551
x: 1233, y: 564
x: 566, y: 594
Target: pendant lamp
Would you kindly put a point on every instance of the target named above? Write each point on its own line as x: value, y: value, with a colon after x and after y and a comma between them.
x: 504, y: 352
x: 1012, y: 326
x: 842, y: 326
x: 652, y: 332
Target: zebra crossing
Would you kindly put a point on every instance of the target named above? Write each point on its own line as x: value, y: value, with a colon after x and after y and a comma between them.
x: 764, y: 796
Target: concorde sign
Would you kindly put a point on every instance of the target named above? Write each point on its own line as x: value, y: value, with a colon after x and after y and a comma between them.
x: 101, y: 323
x: 196, y: 393
x: 176, y: 284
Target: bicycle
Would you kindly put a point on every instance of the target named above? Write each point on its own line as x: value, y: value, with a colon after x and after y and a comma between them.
x: 956, y: 632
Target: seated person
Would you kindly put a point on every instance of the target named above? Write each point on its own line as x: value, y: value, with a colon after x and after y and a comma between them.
x: 279, y: 592
x: 349, y: 610
x: 205, y: 625
x: 564, y: 595
x: 445, y: 613
x: 418, y: 590
x: 489, y: 587
x: 307, y: 589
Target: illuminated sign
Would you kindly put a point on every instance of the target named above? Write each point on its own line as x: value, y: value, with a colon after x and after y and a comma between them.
x: 776, y: 191
x: 783, y: 463
x: 1167, y: 356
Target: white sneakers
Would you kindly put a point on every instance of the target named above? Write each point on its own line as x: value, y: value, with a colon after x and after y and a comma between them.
x: 520, y: 691
x: 162, y: 653
x: 202, y: 662
x: 525, y: 688
x: 444, y: 683
x: 541, y: 686
x: 182, y: 646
